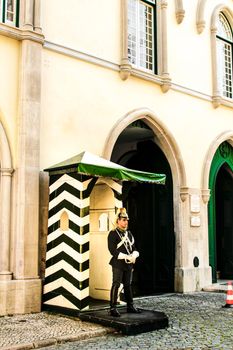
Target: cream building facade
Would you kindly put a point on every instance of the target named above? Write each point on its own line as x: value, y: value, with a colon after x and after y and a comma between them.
x: 146, y: 84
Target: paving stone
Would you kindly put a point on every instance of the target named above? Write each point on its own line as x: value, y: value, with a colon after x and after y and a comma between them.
x: 197, y: 321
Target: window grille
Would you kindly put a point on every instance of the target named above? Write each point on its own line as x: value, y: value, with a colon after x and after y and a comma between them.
x: 141, y: 16
x: 9, y: 12
x: 225, y: 56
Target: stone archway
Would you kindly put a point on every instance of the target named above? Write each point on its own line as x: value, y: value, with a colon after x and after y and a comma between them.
x: 165, y: 140
x: 214, y: 178
x: 225, y: 136
x: 5, y: 200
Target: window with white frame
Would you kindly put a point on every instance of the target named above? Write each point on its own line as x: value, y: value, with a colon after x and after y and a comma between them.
x: 225, y: 56
x: 9, y: 11
x: 141, y: 34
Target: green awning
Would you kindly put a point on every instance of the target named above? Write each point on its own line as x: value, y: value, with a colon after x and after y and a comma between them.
x: 89, y: 164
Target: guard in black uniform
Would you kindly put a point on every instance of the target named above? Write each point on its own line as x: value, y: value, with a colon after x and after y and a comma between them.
x: 124, y: 254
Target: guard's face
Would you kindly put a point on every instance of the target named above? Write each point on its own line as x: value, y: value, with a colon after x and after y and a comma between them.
x: 122, y: 223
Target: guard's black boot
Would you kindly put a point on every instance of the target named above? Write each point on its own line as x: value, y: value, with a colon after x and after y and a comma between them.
x: 114, y: 312
x: 113, y: 302
x: 132, y: 309
x: 129, y: 299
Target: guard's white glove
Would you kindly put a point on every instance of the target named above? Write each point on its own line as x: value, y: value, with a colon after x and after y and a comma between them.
x: 129, y: 259
x: 123, y: 256
x: 135, y: 254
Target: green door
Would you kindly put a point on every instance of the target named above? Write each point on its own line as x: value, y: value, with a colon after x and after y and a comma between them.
x: 150, y: 209
x: 221, y: 213
x: 224, y: 222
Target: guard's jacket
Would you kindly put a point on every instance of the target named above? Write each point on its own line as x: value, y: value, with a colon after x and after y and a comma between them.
x: 118, y: 244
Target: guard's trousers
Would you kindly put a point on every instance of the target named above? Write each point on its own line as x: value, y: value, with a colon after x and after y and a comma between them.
x: 124, y: 277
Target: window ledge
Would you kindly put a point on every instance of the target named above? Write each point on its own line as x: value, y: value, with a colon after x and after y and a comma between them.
x: 222, y: 101
x: 163, y: 80
x: 20, y: 34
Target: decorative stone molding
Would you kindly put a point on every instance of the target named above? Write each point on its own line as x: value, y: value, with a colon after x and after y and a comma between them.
x: 165, y: 140
x: 225, y: 150
x: 217, y: 101
x: 125, y: 66
x: 200, y: 20
x: 180, y: 12
x: 166, y: 81
x: 200, y: 26
x: 225, y: 136
x: 6, y: 171
x: 125, y: 71
x: 31, y: 15
x: 28, y: 15
x: 80, y: 55
x: 220, y: 101
x: 184, y: 193
x: 5, y: 275
x: 205, y: 193
x: 19, y: 34
x: 163, y: 4
x: 37, y: 16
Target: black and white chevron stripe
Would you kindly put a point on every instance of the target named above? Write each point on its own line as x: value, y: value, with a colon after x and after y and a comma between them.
x: 117, y: 190
x: 116, y: 187
x: 67, y: 258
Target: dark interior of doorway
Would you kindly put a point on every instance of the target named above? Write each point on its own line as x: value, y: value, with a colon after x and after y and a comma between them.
x: 224, y: 222
x: 150, y: 208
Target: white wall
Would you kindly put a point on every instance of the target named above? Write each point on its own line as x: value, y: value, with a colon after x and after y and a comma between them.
x: 81, y: 101
x: 90, y: 26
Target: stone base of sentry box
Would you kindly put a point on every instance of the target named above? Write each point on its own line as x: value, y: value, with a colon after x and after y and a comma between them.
x: 84, y: 305
x: 127, y: 323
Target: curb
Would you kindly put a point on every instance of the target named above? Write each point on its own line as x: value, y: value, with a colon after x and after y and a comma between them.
x: 215, y: 290
x: 59, y: 340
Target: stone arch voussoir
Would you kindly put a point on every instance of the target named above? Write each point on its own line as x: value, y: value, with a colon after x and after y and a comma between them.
x: 163, y: 138
x: 225, y: 136
x: 5, y: 154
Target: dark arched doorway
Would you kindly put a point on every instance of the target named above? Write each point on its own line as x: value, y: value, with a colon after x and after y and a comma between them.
x: 224, y: 222
x: 150, y: 209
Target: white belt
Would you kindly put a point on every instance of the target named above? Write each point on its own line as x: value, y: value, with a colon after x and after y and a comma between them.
x: 122, y: 241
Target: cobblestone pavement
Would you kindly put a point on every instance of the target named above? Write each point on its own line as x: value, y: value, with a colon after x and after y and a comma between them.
x: 37, y: 330
x: 196, y: 321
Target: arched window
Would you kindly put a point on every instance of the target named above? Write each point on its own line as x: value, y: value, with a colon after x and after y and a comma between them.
x: 224, y: 38
x: 9, y: 12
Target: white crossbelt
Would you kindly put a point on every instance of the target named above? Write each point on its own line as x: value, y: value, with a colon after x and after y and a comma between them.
x: 123, y: 239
